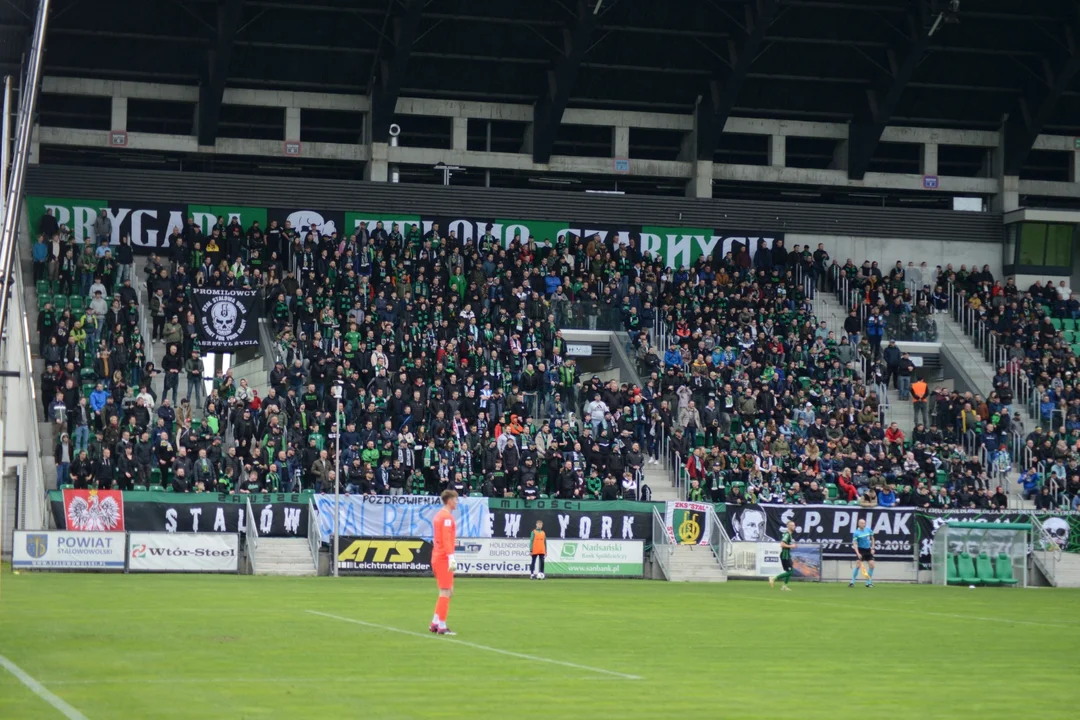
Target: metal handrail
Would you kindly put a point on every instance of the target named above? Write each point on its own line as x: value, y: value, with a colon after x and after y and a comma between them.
x: 252, y: 536
x: 28, y: 95
x: 1045, y: 550
x: 32, y: 496
x: 662, y: 547
x: 718, y: 538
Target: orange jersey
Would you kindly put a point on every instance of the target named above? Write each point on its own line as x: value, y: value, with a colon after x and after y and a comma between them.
x: 445, y: 533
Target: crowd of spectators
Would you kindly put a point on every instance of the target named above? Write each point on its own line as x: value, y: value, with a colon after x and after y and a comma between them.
x: 438, y: 362
x: 1037, y: 329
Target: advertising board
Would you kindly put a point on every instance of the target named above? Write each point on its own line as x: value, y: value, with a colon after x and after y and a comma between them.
x: 67, y: 550
x: 184, y: 552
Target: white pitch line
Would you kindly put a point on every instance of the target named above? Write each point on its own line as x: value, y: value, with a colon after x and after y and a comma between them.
x: 870, y: 608
x: 40, y: 690
x: 475, y: 646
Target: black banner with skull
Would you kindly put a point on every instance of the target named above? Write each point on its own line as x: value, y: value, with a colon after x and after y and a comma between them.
x: 228, y: 320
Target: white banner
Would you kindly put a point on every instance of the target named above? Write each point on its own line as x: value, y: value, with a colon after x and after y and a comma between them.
x: 184, y: 552
x: 503, y: 557
x: 65, y: 550
x: 398, y: 516
x: 596, y: 558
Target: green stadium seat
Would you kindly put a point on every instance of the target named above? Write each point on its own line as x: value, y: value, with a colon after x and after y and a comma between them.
x: 965, y: 568
x: 138, y: 488
x: 76, y: 303
x: 833, y: 491
x: 60, y: 302
x: 67, y: 486
x: 43, y: 288
x: 740, y: 485
x: 1003, y: 571
x: 1069, y: 324
x: 157, y: 488
x: 42, y: 300
x: 986, y: 570
x: 950, y: 571
x: 1076, y: 349
x: 55, y: 286
x: 1056, y: 322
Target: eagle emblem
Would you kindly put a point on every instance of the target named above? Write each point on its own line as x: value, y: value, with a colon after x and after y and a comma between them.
x: 94, y: 511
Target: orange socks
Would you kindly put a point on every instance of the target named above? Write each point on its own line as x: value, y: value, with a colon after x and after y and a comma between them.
x: 442, y: 606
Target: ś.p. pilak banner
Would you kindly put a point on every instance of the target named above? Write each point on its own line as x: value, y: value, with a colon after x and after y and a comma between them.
x: 228, y: 320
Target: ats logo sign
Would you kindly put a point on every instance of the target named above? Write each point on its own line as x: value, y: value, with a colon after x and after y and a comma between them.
x: 394, y: 556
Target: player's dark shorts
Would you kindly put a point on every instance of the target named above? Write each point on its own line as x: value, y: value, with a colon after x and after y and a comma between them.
x: 786, y: 563
x: 866, y: 554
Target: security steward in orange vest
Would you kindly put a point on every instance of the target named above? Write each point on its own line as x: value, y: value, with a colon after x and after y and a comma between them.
x: 920, y: 396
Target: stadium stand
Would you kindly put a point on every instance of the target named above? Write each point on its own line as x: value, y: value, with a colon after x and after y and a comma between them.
x: 452, y: 368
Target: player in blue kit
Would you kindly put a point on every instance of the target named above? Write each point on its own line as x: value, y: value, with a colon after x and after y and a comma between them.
x: 863, y: 544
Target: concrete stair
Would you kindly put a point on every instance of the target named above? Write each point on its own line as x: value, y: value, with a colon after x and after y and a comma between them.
x: 284, y: 556
x: 695, y: 563
x: 1067, y: 571
x: 659, y: 481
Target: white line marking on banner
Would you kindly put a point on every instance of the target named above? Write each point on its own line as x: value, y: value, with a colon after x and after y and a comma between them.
x: 869, y: 608
x: 475, y: 646
x: 40, y: 690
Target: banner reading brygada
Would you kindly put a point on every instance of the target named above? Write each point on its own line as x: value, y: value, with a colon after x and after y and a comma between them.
x: 149, y: 226
x: 227, y: 320
x: 277, y: 514
x: 829, y: 526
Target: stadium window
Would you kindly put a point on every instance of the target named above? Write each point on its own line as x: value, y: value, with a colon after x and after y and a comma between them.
x: 1059, y: 242
x: 1032, y: 244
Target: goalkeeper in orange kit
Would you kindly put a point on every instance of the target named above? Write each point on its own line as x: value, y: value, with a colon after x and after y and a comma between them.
x: 442, y: 560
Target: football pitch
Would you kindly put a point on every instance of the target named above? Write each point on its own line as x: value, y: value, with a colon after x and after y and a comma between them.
x: 201, y: 646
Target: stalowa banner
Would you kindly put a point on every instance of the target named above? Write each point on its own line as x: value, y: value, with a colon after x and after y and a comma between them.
x: 829, y: 526
x: 228, y: 320
x: 276, y: 514
x: 398, y: 516
x: 573, y: 519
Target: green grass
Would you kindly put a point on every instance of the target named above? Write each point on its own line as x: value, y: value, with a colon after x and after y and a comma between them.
x: 171, y: 646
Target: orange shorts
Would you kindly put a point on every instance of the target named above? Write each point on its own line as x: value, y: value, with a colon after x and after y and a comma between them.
x: 443, y: 577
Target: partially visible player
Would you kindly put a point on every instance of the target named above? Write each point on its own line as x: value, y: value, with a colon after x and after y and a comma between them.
x: 538, y: 551
x: 787, y: 544
x: 863, y: 544
x: 442, y: 560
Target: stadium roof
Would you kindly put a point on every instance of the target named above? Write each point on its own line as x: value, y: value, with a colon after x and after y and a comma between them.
x: 870, y: 62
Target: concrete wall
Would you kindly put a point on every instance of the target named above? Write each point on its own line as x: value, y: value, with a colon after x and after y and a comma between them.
x: 888, y: 250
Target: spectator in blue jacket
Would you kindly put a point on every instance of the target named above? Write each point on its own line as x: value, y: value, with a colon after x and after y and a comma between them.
x: 98, y: 398
x: 1030, y: 482
x: 886, y: 496
x: 41, y: 257
x: 673, y: 358
x: 552, y: 282
x: 875, y: 331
